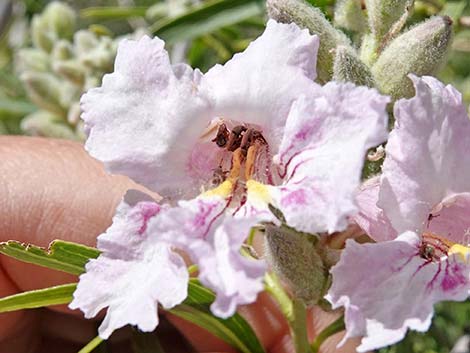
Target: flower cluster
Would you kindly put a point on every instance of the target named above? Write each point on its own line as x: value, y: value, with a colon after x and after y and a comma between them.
x: 258, y: 142
x: 417, y: 212
x: 254, y: 141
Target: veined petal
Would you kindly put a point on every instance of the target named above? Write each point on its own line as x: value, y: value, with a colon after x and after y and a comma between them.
x: 146, y: 117
x: 213, y: 241
x: 388, y: 288
x: 132, y: 275
x: 451, y: 219
x: 322, y: 154
x: 422, y: 169
x: 259, y: 85
x: 236, y: 279
x: 371, y: 218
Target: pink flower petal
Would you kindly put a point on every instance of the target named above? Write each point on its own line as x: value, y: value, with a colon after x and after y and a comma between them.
x: 133, y: 274
x: 387, y: 288
x: 259, y: 85
x: 427, y: 154
x: 146, y: 117
x: 322, y: 154
x: 213, y: 241
x: 371, y: 218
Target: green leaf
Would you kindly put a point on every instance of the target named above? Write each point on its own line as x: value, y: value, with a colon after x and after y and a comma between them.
x: 38, y: 298
x: 113, y: 12
x: 234, y: 330
x: 205, y: 19
x: 61, y: 255
x: 333, y: 328
x: 10, y: 108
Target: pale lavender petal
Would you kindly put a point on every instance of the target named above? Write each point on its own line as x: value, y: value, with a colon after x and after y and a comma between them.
x: 146, y: 117
x: 452, y: 219
x: 387, y: 288
x: 322, y: 154
x: 190, y: 225
x: 427, y: 154
x: 259, y: 85
x: 133, y: 274
x: 371, y: 218
x: 236, y: 279
x: 213, y: 241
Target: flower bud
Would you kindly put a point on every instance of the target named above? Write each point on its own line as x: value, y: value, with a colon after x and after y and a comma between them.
x: 306, y: 16
x: 295, y: 259
x: 73, y: 115
x: 71, y: 70
x: 348, y: 15
x: 62, y: 50
x: 348, y: 67
x: 42, y: 38
x: 60, y: 18
x: 32, y: 60
x: 43, y: 123
x: 383, y: 14
x: 420, y: 51
x: 44, y: 90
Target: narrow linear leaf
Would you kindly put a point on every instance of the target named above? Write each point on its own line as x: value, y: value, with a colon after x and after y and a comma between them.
x: 113, y: 12
x: 15, y: 108
x: 61, y: 255
x: 333, y: 328
x: 205, y: 18
x: 38, y: 298
x: 234, y: 330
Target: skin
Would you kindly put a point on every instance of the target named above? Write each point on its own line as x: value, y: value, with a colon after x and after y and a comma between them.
x: 52, y: 189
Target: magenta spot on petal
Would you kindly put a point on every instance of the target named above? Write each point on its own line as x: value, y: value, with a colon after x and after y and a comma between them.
x: 146, y: 210
x: 453, y: 278
x: 296, y: 197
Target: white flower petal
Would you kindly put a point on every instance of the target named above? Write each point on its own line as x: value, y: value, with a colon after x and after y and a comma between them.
x: 388, y: 288
x: 146, y: 117
x: 322, y: 154
x: 132, y: 275
x: 427, y: 154
x: 259, y: 85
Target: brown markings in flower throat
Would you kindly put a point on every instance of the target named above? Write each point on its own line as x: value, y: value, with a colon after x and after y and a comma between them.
x: 245, y: 144
x: 433, y: 247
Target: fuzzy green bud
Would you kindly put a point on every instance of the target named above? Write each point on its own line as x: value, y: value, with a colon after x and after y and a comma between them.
x: 420, y: 51
x: 60, y: 18
x: 44, y: 90
x: 348, y: 67
x: 62, y: 50
x: 42, y: 38
x: 383, y: 14
x: 72, y: 70
x: 295, y: 258
x: 31, y: 59
x: 348, y: 15
x: 307, y: 16
x: 43, y: 123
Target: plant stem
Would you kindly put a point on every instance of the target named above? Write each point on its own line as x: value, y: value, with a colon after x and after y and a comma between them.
x: 298, y: 327
x: 95, y: 342
x: 274, y: 287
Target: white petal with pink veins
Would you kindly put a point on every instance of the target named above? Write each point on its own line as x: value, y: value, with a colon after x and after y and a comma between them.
x: 133, y: 274
x: 146, y: 117
x: 427, y: 154
x: 388, y: 288
x: 322, y: 153
x: 259, y: 85
x: 371, y: 218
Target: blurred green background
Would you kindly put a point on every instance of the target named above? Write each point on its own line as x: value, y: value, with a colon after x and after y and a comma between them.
x: 49, y: 57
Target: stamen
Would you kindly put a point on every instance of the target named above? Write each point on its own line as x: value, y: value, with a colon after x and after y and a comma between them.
x: 251, y: 160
